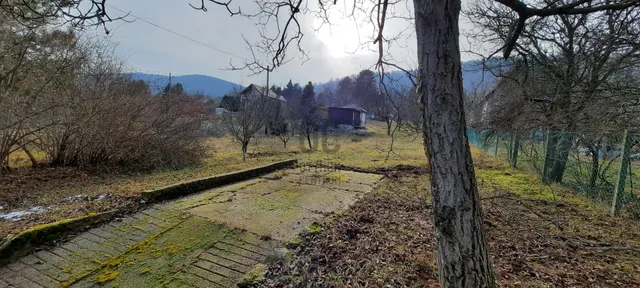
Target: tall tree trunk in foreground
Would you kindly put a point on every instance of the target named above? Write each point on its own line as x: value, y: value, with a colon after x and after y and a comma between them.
x: 463, y: 258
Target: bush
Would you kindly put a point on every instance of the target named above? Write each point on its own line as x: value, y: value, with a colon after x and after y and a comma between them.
x: 128, y: 127
x: 72, y: 101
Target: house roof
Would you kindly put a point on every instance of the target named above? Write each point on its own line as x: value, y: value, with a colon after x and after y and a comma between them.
x: 261, y: 89
x: 354, y: 107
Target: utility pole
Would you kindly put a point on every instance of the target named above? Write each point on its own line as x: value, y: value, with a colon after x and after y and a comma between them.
x: 266, y: 130
x: 268, y: 81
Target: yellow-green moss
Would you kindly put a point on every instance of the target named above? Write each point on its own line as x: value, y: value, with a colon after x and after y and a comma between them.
x: 525, y: 185
x: 253, y: 277
x: 145, y: 271
x: 107, y: 276
x: 314, y: 228
x: 337, y: 177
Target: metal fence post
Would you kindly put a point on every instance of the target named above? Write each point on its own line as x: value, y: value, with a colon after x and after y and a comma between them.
x: 618, y: 194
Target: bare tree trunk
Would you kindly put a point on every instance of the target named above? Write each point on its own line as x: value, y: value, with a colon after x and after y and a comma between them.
x: 309, y: 138
x: 514, y: 151
x: 244, y: 150
x: 389, y: 123
x: 558, y: 154
x: 34, y: 162
x: 4, y: 162
x: 463, y: 258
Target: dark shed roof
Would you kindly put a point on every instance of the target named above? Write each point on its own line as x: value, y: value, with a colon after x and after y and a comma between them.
x: 351, y: 107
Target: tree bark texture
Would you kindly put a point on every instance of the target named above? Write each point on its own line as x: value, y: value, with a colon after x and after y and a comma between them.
x: 245, y: 145
x: 463, y: 258
x: 514, y: 151
x: 556, y: 156
x: 564, y: 145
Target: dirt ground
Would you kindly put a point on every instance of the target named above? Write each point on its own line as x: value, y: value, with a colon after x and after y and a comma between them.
x: 539, y: 236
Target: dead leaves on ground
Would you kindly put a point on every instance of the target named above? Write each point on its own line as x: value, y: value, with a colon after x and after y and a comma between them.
x: 386, y: 241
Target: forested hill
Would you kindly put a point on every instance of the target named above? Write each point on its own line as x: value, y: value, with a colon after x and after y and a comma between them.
x: 472, y: 77
x: 207, y: 85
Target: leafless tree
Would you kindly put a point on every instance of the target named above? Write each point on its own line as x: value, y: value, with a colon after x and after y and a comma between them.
x: 574, y: 54
x: 34, y: 62
x: 307, y: 114
x: 281, y: 123
x: 254, y: 113
x: 68, y: 98
x: 383, y: 108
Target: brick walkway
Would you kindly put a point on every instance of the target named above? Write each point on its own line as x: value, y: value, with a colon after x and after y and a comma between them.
x: 82, y: 260
x: 183, y: 243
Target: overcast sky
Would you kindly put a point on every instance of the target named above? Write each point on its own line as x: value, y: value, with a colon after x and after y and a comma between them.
x: 152, y: 49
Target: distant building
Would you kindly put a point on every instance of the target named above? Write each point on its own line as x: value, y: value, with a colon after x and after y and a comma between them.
x: 220, y: 111
x: 323, y: 112
x: 352, y: 115
x: 254, y: 90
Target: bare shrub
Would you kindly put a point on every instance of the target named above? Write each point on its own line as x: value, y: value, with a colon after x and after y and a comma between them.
x: 70, y: 99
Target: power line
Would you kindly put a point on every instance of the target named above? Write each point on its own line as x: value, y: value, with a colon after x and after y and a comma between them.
x: 178, y: 34
x: 187, y: 37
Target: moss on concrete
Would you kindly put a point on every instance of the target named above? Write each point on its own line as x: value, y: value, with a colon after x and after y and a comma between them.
x: 193, y: 186
x: 254, y: 277
x: 154, y: 262
x: 39, y: 235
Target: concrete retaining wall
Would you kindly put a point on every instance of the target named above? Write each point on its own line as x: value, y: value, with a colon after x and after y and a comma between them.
x: 28, y: 240
x: 194, y: 186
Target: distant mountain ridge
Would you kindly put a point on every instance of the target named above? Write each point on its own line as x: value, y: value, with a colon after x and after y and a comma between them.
x: 209, y: 86
x: 473, y: 76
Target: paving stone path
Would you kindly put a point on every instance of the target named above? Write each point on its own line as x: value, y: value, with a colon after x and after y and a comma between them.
x: 210, y: 239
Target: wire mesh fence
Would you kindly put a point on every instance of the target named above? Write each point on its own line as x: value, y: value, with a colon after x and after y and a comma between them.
x: 597, y: 165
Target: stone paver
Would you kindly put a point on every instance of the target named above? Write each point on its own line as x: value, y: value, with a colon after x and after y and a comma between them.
x: 210, y: 239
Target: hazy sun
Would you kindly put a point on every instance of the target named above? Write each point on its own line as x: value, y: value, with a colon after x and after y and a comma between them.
x: 341, y: 38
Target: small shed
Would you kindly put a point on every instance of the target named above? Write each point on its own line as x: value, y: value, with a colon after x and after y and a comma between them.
x: 352, y: 115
